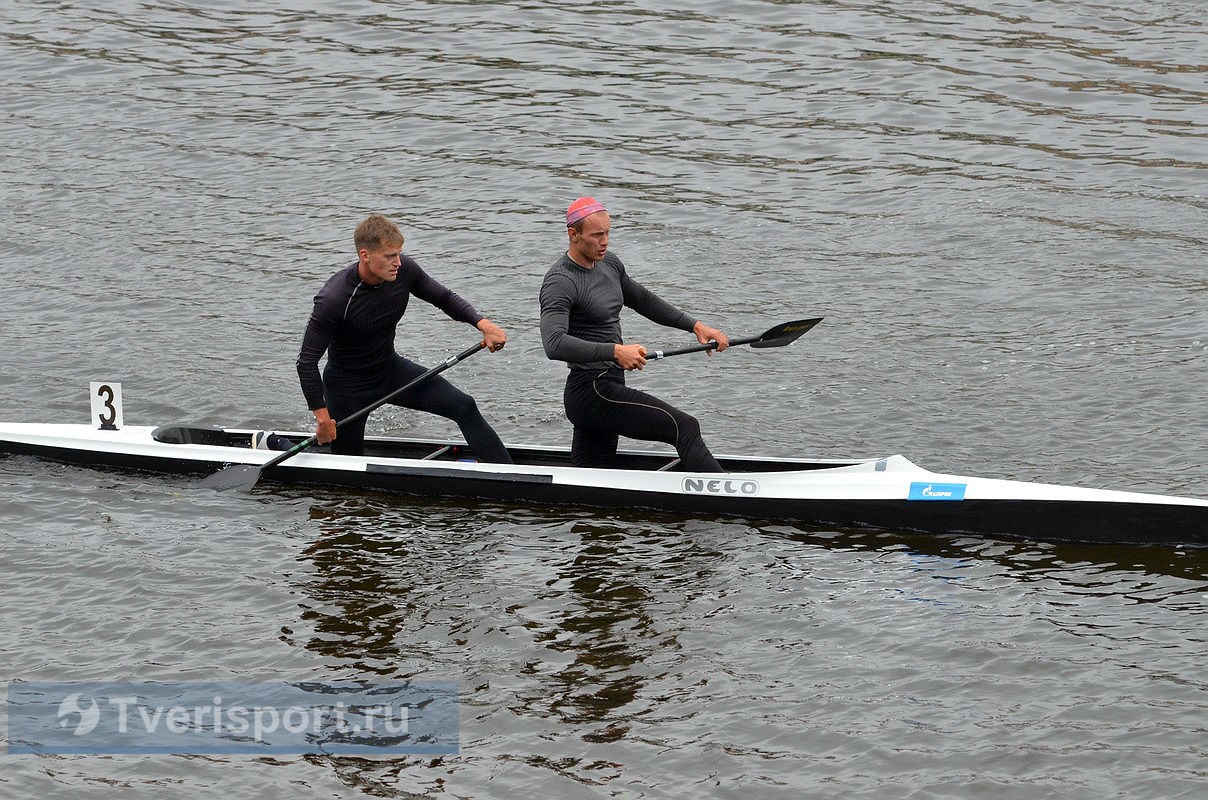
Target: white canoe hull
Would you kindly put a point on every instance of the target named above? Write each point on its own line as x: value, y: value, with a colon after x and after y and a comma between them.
x: 888, y: 493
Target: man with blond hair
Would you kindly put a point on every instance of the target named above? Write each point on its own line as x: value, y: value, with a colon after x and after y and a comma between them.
x: 354, y: 320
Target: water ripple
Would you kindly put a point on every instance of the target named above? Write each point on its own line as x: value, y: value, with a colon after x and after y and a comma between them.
x: 998, y: 208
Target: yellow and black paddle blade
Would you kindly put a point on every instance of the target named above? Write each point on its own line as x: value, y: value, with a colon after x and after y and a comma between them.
x: 784, y: 333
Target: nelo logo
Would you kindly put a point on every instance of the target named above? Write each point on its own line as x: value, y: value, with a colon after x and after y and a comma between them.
x: 720, y: 486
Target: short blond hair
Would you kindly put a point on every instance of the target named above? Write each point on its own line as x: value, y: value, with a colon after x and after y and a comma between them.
x: 375, y: 232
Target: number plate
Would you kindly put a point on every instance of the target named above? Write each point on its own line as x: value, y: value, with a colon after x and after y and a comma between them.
x: 106, y: 404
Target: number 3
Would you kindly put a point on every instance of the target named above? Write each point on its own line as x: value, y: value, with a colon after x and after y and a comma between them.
x: 106, y: 391
x: 106, y: 403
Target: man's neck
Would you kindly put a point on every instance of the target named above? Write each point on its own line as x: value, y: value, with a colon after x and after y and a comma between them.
x: 366, y: 276
x: 579, y: 260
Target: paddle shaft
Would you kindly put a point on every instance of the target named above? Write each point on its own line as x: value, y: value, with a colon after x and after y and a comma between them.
x: 783, y: 334
x: 441, y: 367
x: 654, y: 355
x: 245, y: 476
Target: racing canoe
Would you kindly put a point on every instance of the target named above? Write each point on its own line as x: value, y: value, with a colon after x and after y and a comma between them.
x: 888, y: 493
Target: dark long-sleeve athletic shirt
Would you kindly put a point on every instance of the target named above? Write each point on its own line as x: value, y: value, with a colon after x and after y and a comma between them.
x: 581, y: 311
x: 355, y: 322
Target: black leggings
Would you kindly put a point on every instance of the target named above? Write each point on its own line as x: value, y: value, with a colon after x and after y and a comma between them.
x: 435, y: 396
x: 602, y: 408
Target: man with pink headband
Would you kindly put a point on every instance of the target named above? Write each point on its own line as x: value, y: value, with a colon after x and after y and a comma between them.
x: 581, y: 302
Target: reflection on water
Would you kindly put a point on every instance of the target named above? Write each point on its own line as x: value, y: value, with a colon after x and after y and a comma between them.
x: 608, y: 652
x: 382, y: 581
x: 588, y: 645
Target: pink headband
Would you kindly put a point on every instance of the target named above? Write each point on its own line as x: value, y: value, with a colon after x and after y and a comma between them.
x: 583, y: 207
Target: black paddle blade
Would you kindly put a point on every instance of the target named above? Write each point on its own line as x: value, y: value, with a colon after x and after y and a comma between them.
x: 240, y: 477
x: 785, y: 333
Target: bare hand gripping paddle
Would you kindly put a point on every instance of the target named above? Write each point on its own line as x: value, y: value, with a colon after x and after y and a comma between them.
x: 244, y: 476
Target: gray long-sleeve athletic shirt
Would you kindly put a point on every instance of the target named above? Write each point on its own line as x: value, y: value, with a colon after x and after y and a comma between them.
x: 581, y: 311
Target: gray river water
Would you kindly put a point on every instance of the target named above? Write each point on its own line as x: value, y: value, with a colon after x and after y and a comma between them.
x: 999, y: 208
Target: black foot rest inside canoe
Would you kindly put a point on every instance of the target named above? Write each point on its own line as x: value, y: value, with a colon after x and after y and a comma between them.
x: 182, y: 434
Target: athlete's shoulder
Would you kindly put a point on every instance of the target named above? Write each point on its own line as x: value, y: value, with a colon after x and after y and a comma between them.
x: 563, y: 271
x: 333, y: 295
x: 561, y: 279
x: 561, y: 265
x: 339, y: 284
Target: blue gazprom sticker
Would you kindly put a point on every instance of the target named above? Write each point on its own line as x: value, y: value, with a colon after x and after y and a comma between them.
x: 936, y: 491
